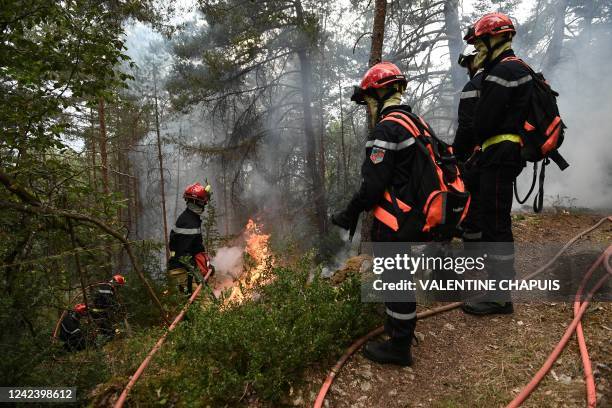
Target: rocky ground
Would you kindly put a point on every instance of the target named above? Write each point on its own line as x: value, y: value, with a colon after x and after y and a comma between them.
x: 467, y: 361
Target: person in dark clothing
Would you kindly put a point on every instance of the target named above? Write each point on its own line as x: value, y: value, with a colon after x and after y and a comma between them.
x: 186, y: 246
x: 70, y: 332
x: 106, y: 307
x: 465, y: 146
x: 385, y: 171
x: 498, y: 125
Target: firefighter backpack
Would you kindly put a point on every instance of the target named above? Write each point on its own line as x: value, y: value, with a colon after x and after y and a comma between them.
x: 543, y: 133
x: 435, y: 201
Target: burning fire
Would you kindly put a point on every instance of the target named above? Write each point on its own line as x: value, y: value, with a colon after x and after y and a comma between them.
x: 256, y: 242
x: 257, y: 247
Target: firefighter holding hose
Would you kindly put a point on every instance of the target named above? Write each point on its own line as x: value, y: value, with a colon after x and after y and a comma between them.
x: 189, y: 262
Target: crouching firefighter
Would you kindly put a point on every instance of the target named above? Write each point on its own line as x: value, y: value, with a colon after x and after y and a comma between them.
x: 107, y: 311
x: 409, y: 179
x: 70, y: 332
x: 189, y: 262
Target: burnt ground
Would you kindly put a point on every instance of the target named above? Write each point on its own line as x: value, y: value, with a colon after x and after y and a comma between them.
x: 467, y: 361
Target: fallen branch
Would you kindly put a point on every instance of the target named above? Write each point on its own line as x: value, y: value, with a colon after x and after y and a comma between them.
x: 44, y: 210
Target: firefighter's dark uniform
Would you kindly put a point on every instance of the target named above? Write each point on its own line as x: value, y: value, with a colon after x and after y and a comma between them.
x: 70, y: 332
x: 463, y: 147
x: 105, y: 309
x: 498, y: 123
x: 185, y: 240
x: 389, y: 151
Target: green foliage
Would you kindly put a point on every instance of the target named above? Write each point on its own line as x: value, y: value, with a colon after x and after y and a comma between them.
x: 55, y: 55
x: 261, y: 345
x: 211, y: 235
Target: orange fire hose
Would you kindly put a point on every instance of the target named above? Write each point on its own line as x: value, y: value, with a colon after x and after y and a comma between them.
x: 529, y: 388
x: 158, y: 345
x: 577, y: 313
x: 356, y: 345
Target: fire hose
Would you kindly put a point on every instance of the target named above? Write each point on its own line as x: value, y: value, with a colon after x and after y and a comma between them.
x: 575, y: 325
x: 159, y: 343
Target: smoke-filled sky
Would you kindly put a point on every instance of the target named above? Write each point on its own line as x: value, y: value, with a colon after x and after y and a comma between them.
x: 585, y: 103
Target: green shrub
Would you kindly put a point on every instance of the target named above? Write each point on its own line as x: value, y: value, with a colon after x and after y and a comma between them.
x: 262, y: 345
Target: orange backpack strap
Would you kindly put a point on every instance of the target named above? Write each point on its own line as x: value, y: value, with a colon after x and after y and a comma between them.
x: 404, y: 120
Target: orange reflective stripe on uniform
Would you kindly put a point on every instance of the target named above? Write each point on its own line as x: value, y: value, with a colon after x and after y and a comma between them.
x: 386, y: 218
x: 552, y: 125
x: 402, y: 205
x: 528, y: 126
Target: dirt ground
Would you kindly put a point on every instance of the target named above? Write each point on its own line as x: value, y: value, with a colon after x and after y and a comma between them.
x: 467, y: 361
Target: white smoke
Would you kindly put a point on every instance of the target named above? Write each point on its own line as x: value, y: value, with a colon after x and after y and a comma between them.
x: 584, y: 84
x: 228, y: 267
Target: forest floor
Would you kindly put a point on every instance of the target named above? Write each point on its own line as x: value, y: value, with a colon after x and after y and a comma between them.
x: 468, y: 361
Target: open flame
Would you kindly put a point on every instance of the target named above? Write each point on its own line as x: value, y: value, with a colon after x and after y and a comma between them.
x: 257, y: 247
x: 256, y: 243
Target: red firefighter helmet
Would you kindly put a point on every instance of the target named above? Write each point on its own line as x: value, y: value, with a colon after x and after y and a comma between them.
x: 80, y: 308
x: 119, y: 279
x: 490, y: 24
x: 380, y: 75
x: 197, y: 193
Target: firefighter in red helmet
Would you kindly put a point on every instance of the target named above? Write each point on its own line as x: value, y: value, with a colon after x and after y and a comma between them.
x: 70, y: 332
x: 390, y: 150
x: 187, y: 252
x: 498, y: 120
x: 107, y: 311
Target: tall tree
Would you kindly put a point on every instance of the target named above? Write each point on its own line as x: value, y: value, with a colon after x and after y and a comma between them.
x: 376, y: 49
x: 255, y: 51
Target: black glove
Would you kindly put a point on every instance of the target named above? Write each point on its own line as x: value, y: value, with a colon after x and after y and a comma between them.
x: 347, y: 220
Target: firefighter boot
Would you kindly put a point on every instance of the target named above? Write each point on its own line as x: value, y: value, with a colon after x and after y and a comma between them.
x: 488, y: 308
x: 392, y: 351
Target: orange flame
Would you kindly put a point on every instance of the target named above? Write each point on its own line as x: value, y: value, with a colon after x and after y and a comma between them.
x: 256, y: 242
x: 257, y: 246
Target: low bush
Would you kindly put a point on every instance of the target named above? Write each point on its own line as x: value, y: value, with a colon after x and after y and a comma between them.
x: 259, y: 347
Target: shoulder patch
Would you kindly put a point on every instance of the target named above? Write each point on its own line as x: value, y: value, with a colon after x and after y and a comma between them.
x: 377, y: 155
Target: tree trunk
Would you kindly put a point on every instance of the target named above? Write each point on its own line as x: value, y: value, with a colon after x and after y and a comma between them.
x: 378, y: 36
x: 161, y: 169
x: 318, y: 186
x: 311, y: 156
x: 92, y: 142
x: 378, y: 31
x: 342, y: 143
x: 178, y: 178
x: 553, y: 52
x: 103, y: 144
x: 455, y: 45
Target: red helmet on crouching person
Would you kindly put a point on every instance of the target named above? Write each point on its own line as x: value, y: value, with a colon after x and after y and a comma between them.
x: 381, y: 75
x: 489, y: 25
x: 197, y: 193
x: 80, y: 308
x: 118, y: 279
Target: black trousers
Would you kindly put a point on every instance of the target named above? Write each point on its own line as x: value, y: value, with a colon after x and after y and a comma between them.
x: 400, y: 321
x: 472, y: 232
x: 496, y: 195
